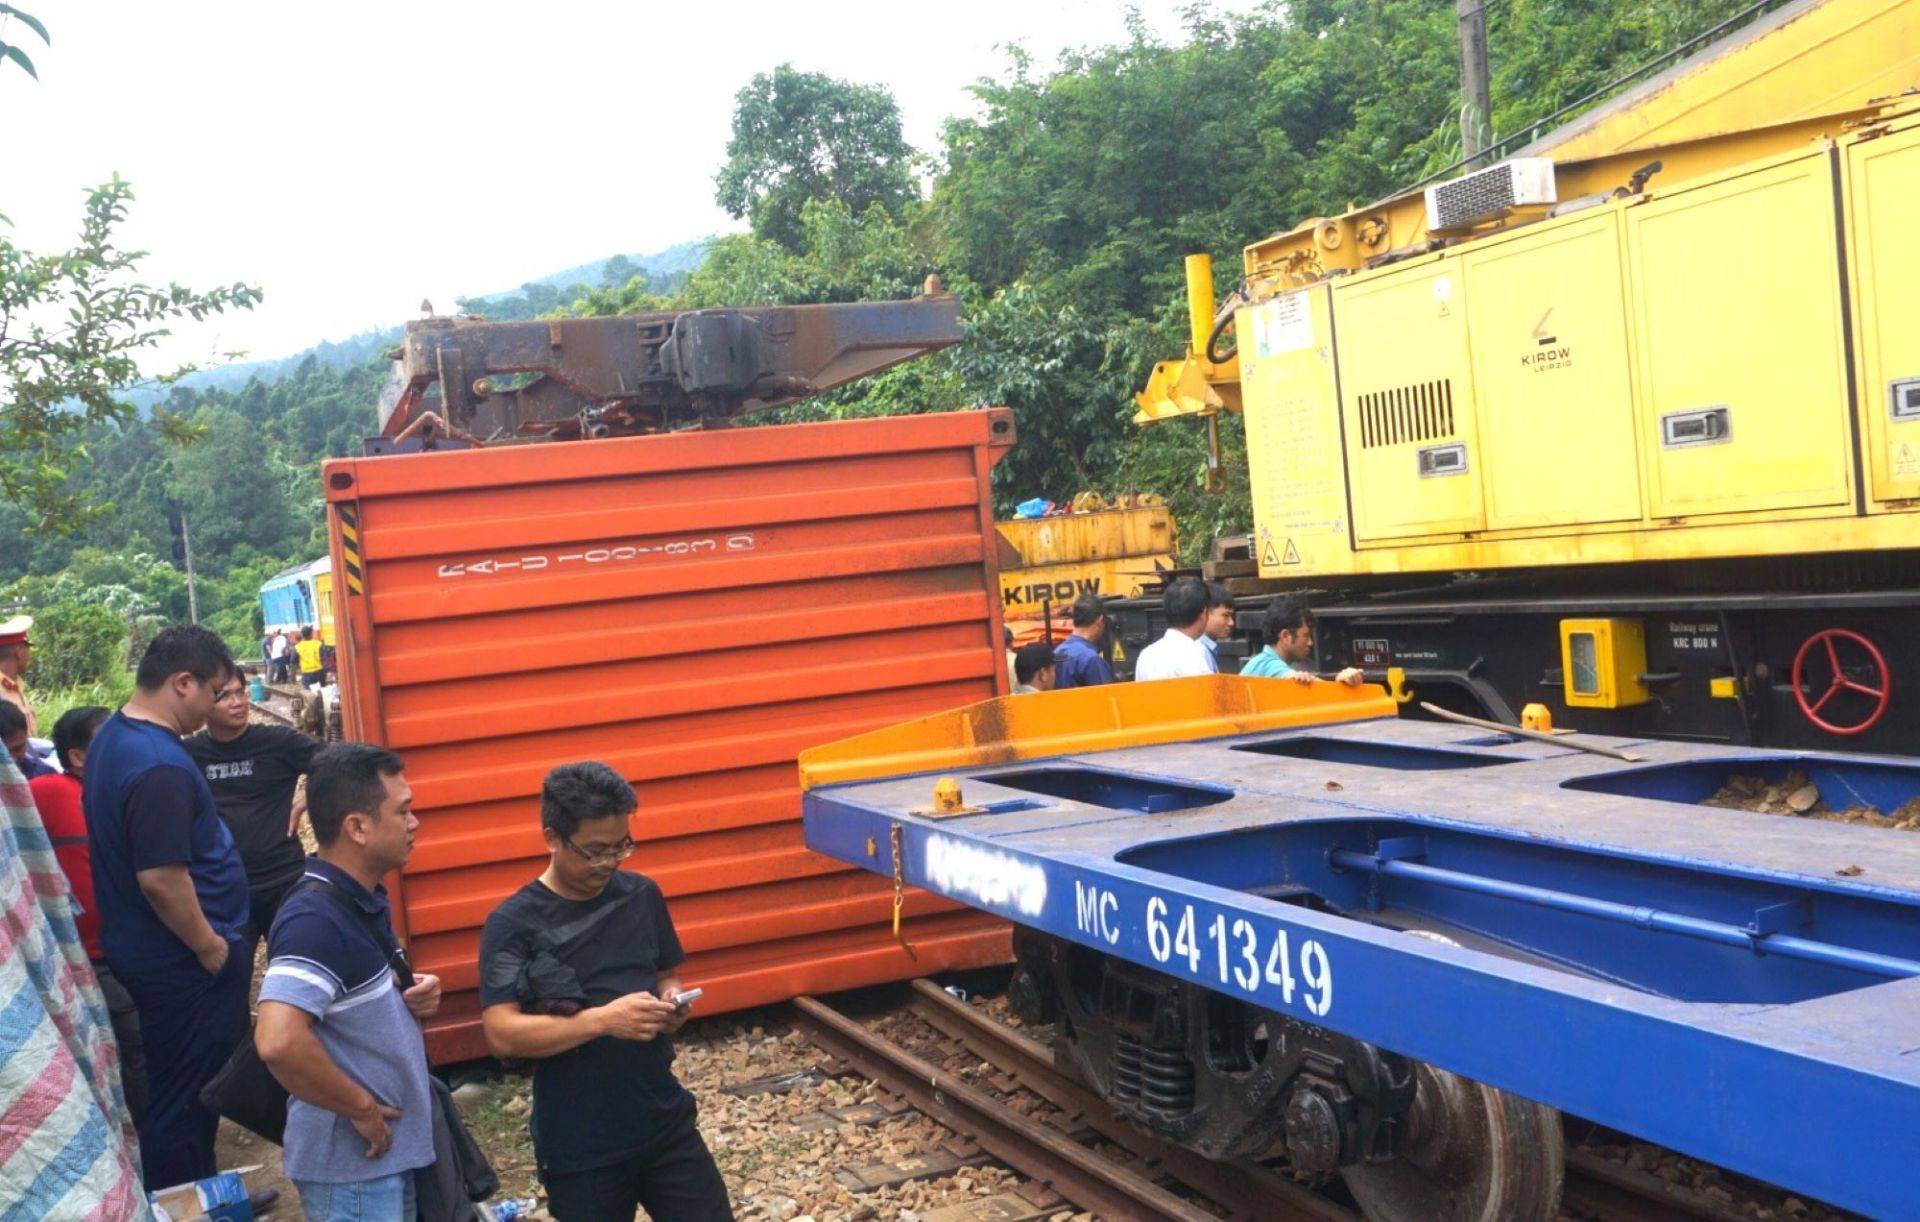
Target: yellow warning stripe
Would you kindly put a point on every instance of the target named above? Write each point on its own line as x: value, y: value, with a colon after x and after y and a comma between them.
x: 350, y: 547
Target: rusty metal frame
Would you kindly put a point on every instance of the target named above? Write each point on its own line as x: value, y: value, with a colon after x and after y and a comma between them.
x: 568, y: 378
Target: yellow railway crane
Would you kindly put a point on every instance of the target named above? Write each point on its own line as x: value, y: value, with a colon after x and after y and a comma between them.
x: 1628, y: 424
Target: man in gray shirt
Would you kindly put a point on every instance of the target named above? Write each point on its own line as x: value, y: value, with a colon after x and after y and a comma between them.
x: 339, y: 1008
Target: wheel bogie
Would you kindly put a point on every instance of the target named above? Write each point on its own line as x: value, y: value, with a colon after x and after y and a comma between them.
x: 1229, y: 1079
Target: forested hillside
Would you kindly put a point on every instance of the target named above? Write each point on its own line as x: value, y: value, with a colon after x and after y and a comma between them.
x: 1059, y: 211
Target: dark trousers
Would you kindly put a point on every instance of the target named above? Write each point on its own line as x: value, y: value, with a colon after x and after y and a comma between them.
x: 126, y: 1033
x: 674, y: 1178
x: 263, y: 903
x: 190, y: 1023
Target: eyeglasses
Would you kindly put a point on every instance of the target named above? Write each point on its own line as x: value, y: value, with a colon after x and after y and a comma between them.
x: 230, y: 693
x: 608, y: 856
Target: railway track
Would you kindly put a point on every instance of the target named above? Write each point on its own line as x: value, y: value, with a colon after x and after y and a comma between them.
x: 270, y: 713
x: 295, y: 698
x: 1041, y: 1151
x: 1150, y: 1179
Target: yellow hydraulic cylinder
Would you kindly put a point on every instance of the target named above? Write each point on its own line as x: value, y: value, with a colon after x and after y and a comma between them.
x: 1199, y: 303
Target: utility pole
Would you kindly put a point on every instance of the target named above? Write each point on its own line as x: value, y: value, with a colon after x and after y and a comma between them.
x: 1476, y: 104
x: 186, y: 548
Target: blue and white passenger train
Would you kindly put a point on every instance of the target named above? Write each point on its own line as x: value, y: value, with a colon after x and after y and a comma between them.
x: 300, y: 597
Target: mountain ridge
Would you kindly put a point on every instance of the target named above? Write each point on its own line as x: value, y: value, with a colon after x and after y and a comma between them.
x: 662, y: 266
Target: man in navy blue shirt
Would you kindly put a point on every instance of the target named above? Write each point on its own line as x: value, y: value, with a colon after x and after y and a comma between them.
x: 13, y: 733
x: 339, y: 1025
x: 1078, y: 662
x: 172, y: 895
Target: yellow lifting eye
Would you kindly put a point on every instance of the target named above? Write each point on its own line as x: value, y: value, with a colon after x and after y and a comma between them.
x: 946, y: 795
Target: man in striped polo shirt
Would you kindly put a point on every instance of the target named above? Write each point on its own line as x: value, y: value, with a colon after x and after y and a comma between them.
x: 339, y: 1022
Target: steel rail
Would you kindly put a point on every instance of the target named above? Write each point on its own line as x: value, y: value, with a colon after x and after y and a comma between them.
x: 1604, y: 1189
x: 1618, y: 1193
x: 1036, y: 1150
x: 1246, y: 1188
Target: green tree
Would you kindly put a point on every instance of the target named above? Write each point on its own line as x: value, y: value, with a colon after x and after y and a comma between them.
x: 12, y: 51
x: 800, y: 136
x: 72, y: 328
x: 617, y: 271
x: 79, y: 643
x: 1067, y: 377
x: 232, y: 496
x: 632, y: 295
x: 841, y: 255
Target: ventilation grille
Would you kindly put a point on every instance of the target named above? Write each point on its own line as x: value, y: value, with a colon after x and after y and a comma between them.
x: 1490, y: 193
x: 1420, y: 412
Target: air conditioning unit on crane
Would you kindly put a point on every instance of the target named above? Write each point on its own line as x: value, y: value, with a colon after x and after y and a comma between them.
x: 1489, y: 194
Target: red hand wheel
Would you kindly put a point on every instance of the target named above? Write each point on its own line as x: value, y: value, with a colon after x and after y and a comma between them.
x: 1838, y: 681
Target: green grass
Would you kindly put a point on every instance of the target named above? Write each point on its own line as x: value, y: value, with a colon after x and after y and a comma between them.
x: 50, y: 702
x: 498, y: 1123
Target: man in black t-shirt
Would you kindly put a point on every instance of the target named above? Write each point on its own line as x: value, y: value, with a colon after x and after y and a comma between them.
x: 253, y: 771
x: 578, y: 972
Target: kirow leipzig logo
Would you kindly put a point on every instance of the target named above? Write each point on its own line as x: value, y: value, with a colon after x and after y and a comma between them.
x: 1548, y: 352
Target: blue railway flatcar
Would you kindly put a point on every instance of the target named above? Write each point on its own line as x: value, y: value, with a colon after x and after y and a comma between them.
x: 1267, y: 919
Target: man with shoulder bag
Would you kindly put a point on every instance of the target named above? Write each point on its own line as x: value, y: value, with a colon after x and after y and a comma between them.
x: 339, y: 1012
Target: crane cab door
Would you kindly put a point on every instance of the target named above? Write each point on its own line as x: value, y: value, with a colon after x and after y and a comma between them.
x: 1884, y: 178
x: 1742, y: 381
x: 1407, y: 402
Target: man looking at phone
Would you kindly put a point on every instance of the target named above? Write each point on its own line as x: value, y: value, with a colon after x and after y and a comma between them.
x: 578, y: 973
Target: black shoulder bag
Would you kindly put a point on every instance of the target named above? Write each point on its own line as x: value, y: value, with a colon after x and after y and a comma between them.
x: 245, y: 1091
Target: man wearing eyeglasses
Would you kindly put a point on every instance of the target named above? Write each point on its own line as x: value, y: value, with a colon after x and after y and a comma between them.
x: 579, y: 973
x: 172, y: 894
x: 253, y: 771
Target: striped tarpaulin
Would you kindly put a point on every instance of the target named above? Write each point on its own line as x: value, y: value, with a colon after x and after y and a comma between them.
x: 67, y: 1147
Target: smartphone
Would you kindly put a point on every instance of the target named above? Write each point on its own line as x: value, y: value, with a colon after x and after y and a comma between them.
x: 685, y: 999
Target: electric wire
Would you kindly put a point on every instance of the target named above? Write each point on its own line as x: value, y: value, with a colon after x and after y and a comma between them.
x: 1495, y: 148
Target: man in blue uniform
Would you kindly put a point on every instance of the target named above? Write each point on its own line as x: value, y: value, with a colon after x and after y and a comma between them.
x: 172, y: 895
x: 1219, y: 624
x: 1078, y: 662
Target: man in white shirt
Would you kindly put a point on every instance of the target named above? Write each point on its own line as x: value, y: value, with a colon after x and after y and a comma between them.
x: 1179, y: 653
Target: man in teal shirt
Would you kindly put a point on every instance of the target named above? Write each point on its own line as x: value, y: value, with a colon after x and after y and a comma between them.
x: 1288, y: 629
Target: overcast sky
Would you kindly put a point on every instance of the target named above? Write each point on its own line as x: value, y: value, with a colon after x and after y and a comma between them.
x: 352, y: 158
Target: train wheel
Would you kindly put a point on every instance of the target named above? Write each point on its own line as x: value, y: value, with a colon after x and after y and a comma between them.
x: 1473, y: 1154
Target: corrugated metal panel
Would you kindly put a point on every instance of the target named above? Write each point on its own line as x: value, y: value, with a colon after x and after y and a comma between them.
x: 695, y: 610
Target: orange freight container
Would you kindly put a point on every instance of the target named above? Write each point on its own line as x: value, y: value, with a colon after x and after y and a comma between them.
x: 694, y: 609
